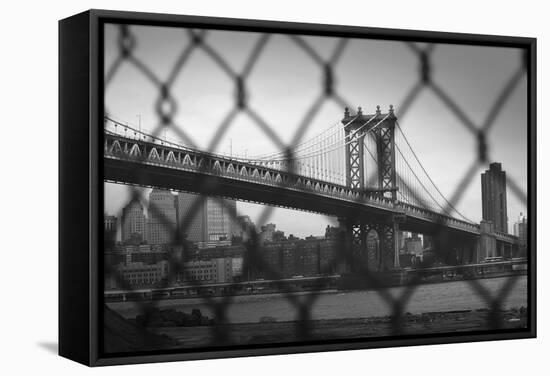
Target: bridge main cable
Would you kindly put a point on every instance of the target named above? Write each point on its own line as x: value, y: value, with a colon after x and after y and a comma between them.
x: 449, y: 205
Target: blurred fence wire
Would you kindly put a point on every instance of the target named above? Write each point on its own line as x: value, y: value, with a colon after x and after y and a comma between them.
x: 166, y: 108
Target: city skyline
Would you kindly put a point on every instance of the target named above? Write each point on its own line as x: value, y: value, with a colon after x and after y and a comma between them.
x: 241, y: 210
x: 522, y: 218
x: 193, y: 225
x: 472, y: 74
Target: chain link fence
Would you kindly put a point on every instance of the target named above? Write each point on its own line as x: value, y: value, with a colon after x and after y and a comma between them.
x: 221, y: 332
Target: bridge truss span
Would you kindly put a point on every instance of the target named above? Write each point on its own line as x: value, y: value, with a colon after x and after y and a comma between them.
x: 143, y: 152
x: 137, y: 151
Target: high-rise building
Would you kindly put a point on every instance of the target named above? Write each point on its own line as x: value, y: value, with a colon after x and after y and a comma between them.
x: 191, y: 217
x: 140, y: 274
x: 109, y: 229
x: 220, y: 218
x: 245, y: 228
x: 520, y: 229
x: 133, y: 223
x: 493, y: 197
x: 267, y: 232
x: 162, y: 219
x: 109, y: 222
x: 207, y: 221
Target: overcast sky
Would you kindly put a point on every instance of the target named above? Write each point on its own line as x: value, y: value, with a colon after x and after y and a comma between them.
x: 285, y: 82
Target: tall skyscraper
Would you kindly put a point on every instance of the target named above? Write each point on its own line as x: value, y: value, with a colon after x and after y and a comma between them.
x: 493, y: 197
x: 209, y: 221
x: 133, y: 223
x: 520, y: 229
x: 191, y: 214
x: 162, y: 219
x: 109, y: 230
x: 220, y: 216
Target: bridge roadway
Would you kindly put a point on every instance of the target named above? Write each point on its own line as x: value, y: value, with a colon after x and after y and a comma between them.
x: 170, y: 166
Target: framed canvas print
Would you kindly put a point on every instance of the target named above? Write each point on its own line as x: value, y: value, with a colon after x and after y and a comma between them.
x: 239, y: 187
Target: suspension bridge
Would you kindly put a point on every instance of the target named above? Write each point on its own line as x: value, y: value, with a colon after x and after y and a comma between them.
x: 362, y: 170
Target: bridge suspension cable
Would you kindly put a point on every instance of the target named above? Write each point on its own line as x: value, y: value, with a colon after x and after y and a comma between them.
x: 335, y: 128
x: 337, y: 144
x: 323, y: 157
x: 447, y: 206
x: 310, y: 143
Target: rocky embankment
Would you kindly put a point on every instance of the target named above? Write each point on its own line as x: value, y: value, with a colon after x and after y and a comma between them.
x: 268, y: 330
x: 170, y: 317
x: 171, y: 329
x: 122, y: 335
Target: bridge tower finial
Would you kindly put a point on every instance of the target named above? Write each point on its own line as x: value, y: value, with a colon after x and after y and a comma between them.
x: 378, y: 112
x: 391, y: 109
x: 359, y: 111
x: 346, y: 112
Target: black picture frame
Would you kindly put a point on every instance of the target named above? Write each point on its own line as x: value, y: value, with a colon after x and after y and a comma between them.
x: 81, y: 188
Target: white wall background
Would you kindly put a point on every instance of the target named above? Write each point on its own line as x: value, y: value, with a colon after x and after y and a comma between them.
x: 28, y: 85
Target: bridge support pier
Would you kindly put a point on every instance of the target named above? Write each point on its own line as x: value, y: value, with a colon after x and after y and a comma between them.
x: 487, y: 241
x: 372, y: 245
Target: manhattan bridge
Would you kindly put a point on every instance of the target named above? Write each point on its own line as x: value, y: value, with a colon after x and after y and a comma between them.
x: 362, y: 170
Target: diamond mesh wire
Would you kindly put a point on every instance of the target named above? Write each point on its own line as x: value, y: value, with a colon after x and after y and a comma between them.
x: 166, y: 107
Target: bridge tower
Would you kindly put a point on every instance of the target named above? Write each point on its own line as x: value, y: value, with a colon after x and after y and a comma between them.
x: 373, y: 240
x: 356, y: 128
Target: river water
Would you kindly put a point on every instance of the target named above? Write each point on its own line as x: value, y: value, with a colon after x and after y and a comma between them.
x: 447, y: 296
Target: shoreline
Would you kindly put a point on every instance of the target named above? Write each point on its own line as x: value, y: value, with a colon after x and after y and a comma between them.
x: 339, y: 289
x: 271, y: 332
x: 326, y: 305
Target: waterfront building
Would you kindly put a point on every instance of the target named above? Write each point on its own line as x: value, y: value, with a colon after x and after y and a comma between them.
x: 133, y: 223
x: 237, y: 268
x: 149, y: 257
x: 301, y: 258
x: 162, y: 219
x: 218, y: 270
x: 139, y: 274
x: 131, y: 248
x: 233, y: 251
x: 292, y: 262
x: 309, y: 258
x: 493, y: 197
x: 329, y: 261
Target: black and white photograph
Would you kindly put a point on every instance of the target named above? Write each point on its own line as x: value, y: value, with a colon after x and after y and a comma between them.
x: 247, y: 188
x: 271, y: 188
